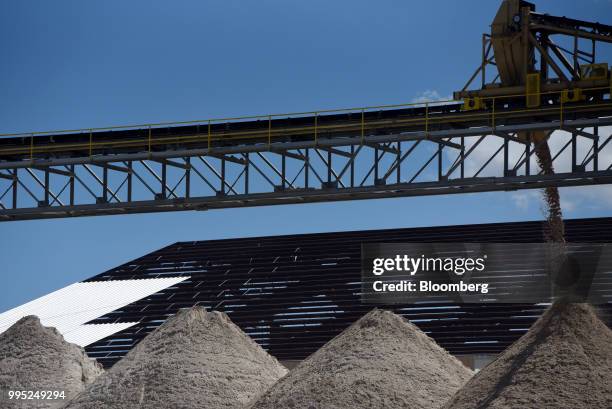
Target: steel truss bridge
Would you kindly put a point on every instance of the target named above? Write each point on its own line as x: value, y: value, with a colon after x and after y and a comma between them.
x: 418, y: 149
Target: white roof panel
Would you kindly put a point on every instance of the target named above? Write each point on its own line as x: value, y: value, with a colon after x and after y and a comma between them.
x: 84, y: 335
x: 69, y: 308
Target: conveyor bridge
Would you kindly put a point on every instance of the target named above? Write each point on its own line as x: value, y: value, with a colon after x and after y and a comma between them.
x: 415, y: 149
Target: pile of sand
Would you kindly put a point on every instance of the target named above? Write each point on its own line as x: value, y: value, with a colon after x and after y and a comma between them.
x: 34, y: 358
x: 381, y: 361
x: 196, y: 359
x: 563, y: 361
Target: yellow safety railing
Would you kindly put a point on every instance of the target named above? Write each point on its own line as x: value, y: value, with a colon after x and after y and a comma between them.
x: 360, y: 126
x: 209, y: 135
x: 316, y: 127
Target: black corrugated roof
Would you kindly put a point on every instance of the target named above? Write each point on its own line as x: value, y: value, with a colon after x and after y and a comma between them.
x: 294, y: 293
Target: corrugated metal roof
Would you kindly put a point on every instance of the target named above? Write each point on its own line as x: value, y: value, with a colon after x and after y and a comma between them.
x: 69, y: 308
x: 86, y: 334
x: 292, y: 294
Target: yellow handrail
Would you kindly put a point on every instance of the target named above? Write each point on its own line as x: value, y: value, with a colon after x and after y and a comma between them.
x: 253, y: 134
x: 263, y: 117
x: 317, y: 127
x: 269, y: 130
x: 289, y: 131
x: 209, y: 136
x: 362, y: 126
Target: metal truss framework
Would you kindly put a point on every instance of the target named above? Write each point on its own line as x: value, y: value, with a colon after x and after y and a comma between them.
x: 326, y: 169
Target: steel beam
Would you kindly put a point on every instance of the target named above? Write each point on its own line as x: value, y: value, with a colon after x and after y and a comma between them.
x: 355, y: 166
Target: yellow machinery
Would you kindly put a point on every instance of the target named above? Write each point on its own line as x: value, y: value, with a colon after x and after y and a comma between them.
x: 540, y: 61
x: 542, y: 58
x: 532, y: 68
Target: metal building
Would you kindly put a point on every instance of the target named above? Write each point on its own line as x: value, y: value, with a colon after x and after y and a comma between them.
x: 291, y: 293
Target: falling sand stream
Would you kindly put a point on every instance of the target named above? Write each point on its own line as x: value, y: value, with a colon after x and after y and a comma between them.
x: 554, y: 231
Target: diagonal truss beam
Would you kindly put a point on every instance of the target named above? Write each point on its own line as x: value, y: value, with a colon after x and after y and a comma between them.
x: 368, y: 166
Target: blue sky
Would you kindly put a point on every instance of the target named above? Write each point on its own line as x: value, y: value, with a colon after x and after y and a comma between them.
x: 73, y: 64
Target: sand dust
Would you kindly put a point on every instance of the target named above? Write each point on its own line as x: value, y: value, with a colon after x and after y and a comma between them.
x: 381, y: 361
x: 33, y: 357
x: 555, y: 230
x: 196, y: 359
x: 563, y: 362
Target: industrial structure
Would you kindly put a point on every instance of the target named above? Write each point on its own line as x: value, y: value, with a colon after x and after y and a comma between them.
x: 539, y: 74
x: 465, y: 145
x: 292, y: 294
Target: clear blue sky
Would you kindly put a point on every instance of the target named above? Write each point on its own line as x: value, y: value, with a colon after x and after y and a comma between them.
x: 73, y: 64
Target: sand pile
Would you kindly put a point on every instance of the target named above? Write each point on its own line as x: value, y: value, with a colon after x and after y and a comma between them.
x: 381, y: 361
x: 196, y: 359
x: 563, y: 361
x: 33, y: 357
